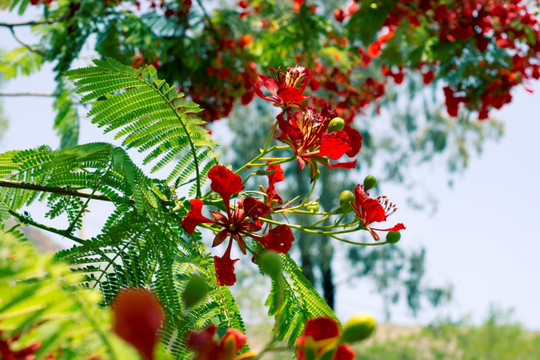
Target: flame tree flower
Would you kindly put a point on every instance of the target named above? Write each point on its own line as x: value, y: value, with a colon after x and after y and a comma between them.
x: 321, y: 340
x: 370, y: 210
x: 308, y: 134
x: 207, y: 348
x: 283, y: 86
x: 238, y: 222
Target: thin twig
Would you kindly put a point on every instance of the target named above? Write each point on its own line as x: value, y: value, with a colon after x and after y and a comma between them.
x: 28, y: 23
x: 62, y: 190
x: 27, y: 221
x: 29, y: 47
x: 26, y: 94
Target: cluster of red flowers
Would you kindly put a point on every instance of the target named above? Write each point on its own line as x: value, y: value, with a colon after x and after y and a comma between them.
x: 314, y: 138
x: 321, y: 339
x: 205, y: 346
x: 238, y: 222
x: 504, y: 24
x: 306, y: 130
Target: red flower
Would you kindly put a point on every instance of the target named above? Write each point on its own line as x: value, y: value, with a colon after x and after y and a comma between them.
x: 322, y: 335
x: 236, y: 223
x: 25, y: 353
x: 283, y: 86
x: 370, y: 210
x: 137, y: 319
x: 307, y: 134
x: 206, y: 348
x: 275, y: 177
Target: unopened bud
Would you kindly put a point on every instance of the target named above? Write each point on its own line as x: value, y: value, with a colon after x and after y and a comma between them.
x: 345, y: 199
x: 393, y: 237
x: 358, y: 328
x: 196, y: 289
x: 270, y: 263
x: 369, y: 182
x: 336, y: 124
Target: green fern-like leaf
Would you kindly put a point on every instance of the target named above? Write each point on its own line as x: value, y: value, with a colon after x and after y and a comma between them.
x: 293, y: 300
x: 147, y: 112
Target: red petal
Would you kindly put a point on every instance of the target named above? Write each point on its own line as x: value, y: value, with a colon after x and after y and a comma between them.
x: 199, y: 340
x: 255, y: 208
x: 278, y: 239
x: 373, y: 211
x: 321, y: 328
x: 335, y: 144
x: 344, y: 165
x: 225, y: 182
x: 137, y: 319
x: 355, y: 141
x: 194, y: 217
x: 225, y: 269
x: 344, y: 352
x: 220, y: 237
x: 277, y: 176
x: 235, y: 338
x: 397, y: 227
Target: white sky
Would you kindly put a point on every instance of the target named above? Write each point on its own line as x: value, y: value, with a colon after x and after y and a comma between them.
x: 482, y: 240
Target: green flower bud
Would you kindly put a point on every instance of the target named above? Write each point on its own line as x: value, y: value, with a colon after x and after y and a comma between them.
x: 393, y: 237
x: 270, y: 263
x: 196, y: 289
x: 345, y: 199
x: 369, y: 182
x: 336, y: 124
x: 358, y: 328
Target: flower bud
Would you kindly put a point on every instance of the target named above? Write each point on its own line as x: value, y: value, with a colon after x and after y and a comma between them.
x: 336, y: 124
x: 358, y: 328
x: 393, y: 237
x: 270, y: 263
x: 345, y: 199
x: 369, y: 182
x: 196, y: 289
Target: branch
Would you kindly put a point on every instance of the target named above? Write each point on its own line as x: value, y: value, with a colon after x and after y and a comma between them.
x: 28, y: 23
x: 29, y: 47
x: 27, y: 221
x: 62, y: 190
x: 26, y: 94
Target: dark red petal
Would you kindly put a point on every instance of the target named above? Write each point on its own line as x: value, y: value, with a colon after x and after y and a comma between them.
x: 199, y: 340
x: 335, y: 144
x: 137, y: 319
x: 220, y: 237
x: 278, y: 239
x: 355, y: 141
x: 255, y: 208
x: 225, y: 182
x: 321, y: 328
x: 225, y: 270
x: 194, y: 217
x: 344, y: 352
